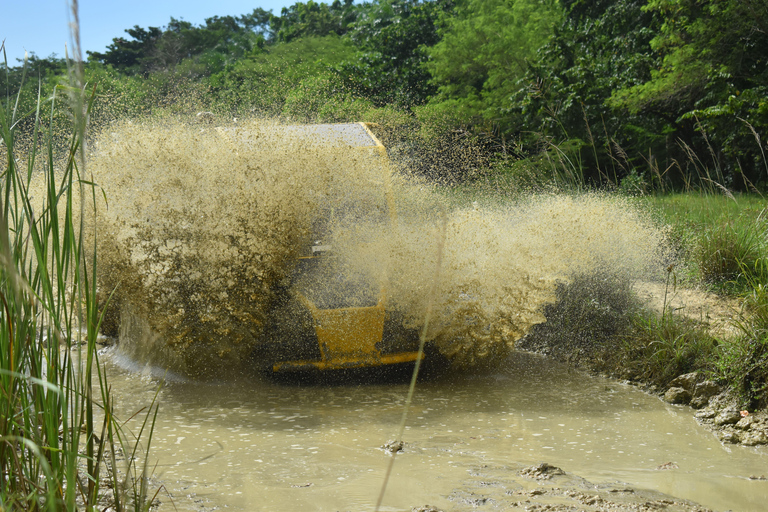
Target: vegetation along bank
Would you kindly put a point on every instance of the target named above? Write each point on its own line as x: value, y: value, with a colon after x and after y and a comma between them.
x: 662, y: 100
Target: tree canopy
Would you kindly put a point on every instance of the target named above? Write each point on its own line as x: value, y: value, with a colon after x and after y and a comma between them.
x: 630, y: 87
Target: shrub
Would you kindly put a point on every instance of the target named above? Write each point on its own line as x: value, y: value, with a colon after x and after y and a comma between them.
x: 743, y: 360
x: 591, y: 314
x: 598, y: 321
x: 730, y: 252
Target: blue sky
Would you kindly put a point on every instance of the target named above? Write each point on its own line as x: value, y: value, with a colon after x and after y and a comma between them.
x: 41, y: 26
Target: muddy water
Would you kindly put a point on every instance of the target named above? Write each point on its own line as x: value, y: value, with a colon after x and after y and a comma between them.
x: 201, y: 229
x: 269, y: 446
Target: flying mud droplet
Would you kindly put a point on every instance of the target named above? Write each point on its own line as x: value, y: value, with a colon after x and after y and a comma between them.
x: 204, y: 224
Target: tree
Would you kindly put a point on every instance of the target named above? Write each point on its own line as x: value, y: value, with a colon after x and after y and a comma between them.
x: 598, y: 48
x: 484, y: 51
x: 312, y: 19
x: 393, y: 37
x: 262, y: 80
x: 221, y: 40
x: 127, y: 55
x: 713, y: 78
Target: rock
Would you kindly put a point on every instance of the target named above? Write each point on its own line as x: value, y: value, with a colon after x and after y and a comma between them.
x: 702, y: 392
x: 393, y: 446
x: 753, y: 438
x: 687, y: 382
x: 677, y: 395
x: 729, y: 436
x: 666, y: 466
x: 706, y: 389
x: 542, y: 471
x: 426, y: 508
x: 728, y: 416
x: 591, y: 500
x: 706, y: 414
x: 698, y: 402
x: 745, y: 423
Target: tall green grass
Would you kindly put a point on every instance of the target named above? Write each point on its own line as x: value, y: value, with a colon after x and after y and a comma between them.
x: 721, y: 240
x: 743, y: 359
x: 59, y: 439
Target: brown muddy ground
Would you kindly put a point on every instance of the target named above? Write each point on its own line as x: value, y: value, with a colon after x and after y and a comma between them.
x: 715, y: 311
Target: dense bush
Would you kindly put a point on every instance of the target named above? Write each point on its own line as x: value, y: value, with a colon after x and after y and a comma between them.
x: 597, y: 321
x: 590, y: 316
x: 743, y: 360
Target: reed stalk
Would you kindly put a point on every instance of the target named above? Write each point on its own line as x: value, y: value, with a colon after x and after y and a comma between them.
x: 56, y: 420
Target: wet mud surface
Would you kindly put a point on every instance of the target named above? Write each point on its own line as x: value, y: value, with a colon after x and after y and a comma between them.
x: 472, y: 442
x: 545, y: 487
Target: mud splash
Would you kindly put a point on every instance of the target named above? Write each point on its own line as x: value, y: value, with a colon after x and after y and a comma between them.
x: 203, y: 224
x: 502, y: 263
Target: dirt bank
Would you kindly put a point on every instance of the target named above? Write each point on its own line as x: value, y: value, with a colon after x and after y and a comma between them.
x: 713, y: 403
x: 714, y: 311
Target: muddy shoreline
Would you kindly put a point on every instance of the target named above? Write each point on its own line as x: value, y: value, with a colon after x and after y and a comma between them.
x: 713, y: 406
x: 594, y: 349
x: 544, y: 487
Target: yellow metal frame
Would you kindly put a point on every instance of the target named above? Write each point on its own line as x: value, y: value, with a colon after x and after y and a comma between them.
x: 348, y: 336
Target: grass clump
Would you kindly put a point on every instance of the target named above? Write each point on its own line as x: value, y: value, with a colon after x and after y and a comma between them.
x: 58, y: 434
x: 730, y: 254
x: 720, y: 240
x: 662, y: 347
x: 590, y: 313
x: 743, y: 359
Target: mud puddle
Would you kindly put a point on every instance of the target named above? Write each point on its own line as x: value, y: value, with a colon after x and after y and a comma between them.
x: 268, y: 446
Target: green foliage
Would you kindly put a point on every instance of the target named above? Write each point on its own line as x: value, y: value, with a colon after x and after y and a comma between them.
x: 599, y: 47
x: 127, y: 54
x: 219, y: 41
x: 659, y: 94
x: 712, y: 79
x: 313, y: 19
x: 393, y: 37
x: 319, y: 99
x: 262, y: 82
x: 483, y: 52
x: 633, y: 184
x: 551, y: 167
